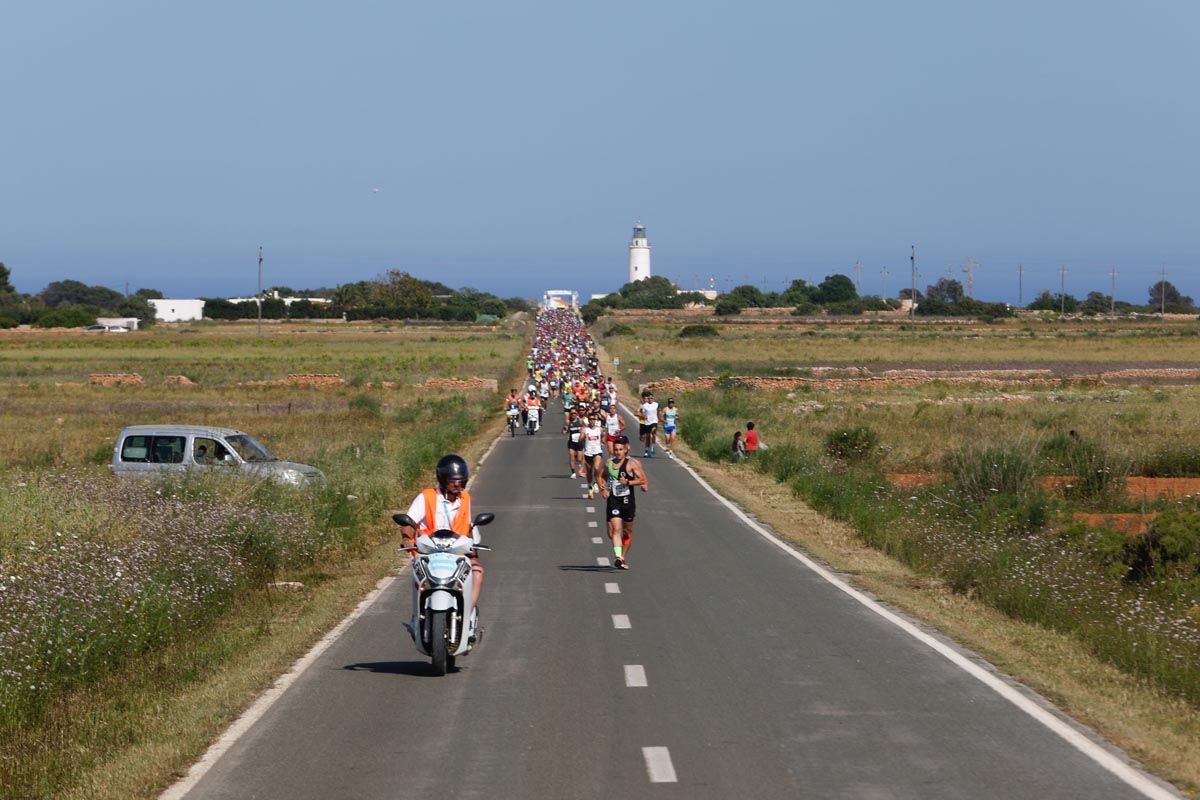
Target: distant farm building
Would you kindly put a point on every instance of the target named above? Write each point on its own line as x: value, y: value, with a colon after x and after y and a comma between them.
x: 177, y: 310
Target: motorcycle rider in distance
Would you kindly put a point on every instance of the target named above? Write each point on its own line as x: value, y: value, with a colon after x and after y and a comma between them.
x: 447, y: 507
x: 533, y: 402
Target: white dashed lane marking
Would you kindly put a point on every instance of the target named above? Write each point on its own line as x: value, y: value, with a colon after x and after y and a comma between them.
x: 597, y: 540
x: 635, y: 676
x: 658, y: 765
x: 612, y: 588
x: 621, y: 621
x: 591, y: 509
x: 592, y: 523
x: 601, y: 561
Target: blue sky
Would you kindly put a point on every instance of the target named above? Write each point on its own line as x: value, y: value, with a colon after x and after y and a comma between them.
x: 514, y: 144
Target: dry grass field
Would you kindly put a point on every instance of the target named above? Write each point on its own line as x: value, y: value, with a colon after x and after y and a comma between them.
x: 789, y: 347
x: 118, y: 598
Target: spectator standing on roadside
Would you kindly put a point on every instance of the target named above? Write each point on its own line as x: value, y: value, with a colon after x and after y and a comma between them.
x: 751, y: 440
x: 739, y: 447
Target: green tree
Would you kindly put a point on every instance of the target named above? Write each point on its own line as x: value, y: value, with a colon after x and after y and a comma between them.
x: 652, y: 292
x: 149, y: 294
x: 408, y: 296
x: 751, y: 296
x: 6, y: 286
x: 1096, y: 303
x: 68, y: 315
x: 947, y: 290
x: 836, y: 288
x: 728, y: 305
x: 494, y: 306
x: 1163, y: 294
x: 137, y: 306
x: 353, y: 295
x: 1054, y: 302
x: 798, y: 293
x: 78, y: 293
x: 592, y: 311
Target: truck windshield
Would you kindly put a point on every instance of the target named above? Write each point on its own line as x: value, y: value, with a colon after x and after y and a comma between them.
x: 249, y: 449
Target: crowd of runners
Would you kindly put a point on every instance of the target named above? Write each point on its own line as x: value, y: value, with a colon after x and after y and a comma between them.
x: 563, y: 364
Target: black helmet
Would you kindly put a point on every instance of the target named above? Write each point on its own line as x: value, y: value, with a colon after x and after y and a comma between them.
x: 452, y: 466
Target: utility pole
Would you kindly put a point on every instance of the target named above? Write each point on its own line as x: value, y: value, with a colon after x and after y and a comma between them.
x: 970, y: 270
x: 1112, y: 297
x: 260, y: 290
x: 858, y: 276
x: 1020, y: 285
x: 912, y: 298
x: 1062, y: 291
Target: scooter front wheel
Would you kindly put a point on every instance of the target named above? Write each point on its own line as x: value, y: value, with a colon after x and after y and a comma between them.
x: 439, y: 642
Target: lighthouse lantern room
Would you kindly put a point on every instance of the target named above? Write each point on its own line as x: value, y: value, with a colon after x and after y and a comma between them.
x: 639, y: 254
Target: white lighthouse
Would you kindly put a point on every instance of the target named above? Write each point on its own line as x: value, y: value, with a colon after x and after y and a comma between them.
x: 639, y: 254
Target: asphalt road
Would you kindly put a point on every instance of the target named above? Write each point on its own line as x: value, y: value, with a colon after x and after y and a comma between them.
x: 761, y: 678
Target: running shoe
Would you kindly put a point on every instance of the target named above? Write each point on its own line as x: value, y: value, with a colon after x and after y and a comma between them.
x: 571, y: 474
x: 620, y: 564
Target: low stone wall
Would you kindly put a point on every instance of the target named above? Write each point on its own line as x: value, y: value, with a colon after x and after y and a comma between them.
x: 487, y: 384
x: 115, y: 379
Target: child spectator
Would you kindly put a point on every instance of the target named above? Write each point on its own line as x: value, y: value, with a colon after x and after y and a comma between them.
x: 739, y: 447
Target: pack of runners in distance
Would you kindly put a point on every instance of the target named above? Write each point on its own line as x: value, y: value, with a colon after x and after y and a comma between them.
x: 563, y: 364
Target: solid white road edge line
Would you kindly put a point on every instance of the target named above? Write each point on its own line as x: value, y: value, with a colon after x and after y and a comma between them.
x: 635, y: 676
x: 621, y: 622
x: 260, y: 706
x: 612, y: 588
x: 268, y: 698
x: 1127, y: 773
x: 658, y: 765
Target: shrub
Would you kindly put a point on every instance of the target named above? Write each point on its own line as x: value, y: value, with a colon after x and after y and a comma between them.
x: 851, y: 445
x: 1171, y: 548
x: 366, y: 404
x: 980, y: 474
x: 1098, y: 474
x: 727, y: 306
x: 68, y: 316
x: 8, y: 322
x: 1173, y: 462
x: 699, y: 332
x: 619, y: 329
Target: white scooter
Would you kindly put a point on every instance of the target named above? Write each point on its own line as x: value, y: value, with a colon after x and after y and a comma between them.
x: 533, y: 421
x: 445, y: 622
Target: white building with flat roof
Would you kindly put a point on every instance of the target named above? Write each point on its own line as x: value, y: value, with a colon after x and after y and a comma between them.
x: 177, y: 310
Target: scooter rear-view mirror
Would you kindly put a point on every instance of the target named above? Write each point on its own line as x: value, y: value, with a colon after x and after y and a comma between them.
x: 403, y: 519
x: 484, y: 518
